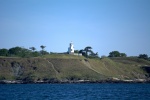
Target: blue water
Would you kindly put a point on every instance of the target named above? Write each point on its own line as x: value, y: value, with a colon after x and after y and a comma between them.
x: 74, y: 91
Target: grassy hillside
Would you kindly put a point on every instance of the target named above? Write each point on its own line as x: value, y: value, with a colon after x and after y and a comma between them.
x: 123, y: 68
x: 69, y: 67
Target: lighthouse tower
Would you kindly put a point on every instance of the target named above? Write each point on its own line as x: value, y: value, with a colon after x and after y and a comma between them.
x: 71, y: 48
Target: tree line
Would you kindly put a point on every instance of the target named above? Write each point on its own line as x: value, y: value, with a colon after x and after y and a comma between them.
x: 31, y: 52
x: 22, y: 52
x: 118, y: 54
x: 87, y: 52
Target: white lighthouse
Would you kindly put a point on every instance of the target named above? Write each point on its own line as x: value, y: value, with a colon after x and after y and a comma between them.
x: 71, y: 48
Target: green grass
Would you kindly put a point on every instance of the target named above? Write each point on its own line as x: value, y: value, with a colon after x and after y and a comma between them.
x: 71, y: 67
x: 123, y: 68
x: 64, y: 56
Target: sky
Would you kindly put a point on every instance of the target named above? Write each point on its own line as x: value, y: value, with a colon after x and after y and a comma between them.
x: 105, y: 25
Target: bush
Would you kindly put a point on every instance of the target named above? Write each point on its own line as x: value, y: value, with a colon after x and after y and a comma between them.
x: 143, y: 56
x: 117, y: 54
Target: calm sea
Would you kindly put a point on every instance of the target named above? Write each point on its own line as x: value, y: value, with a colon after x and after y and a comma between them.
x: 75, y: 91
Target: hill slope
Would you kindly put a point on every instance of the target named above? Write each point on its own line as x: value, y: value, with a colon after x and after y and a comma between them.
x: 64, y: 68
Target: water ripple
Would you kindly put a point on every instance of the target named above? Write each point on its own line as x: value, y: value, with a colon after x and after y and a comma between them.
x: 74, y: 91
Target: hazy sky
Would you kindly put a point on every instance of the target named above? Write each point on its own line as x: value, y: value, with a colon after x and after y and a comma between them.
x: 105, y: 25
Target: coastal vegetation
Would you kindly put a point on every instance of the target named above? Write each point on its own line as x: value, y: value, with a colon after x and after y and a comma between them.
x: 28, y: 65
x: 31, y: 52
x: 67, y: 68
x: 22, y: 52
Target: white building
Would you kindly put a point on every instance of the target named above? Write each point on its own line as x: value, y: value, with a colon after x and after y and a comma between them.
x: 71, y: 48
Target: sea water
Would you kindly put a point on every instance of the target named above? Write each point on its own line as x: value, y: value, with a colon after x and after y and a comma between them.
x: 106, y: 91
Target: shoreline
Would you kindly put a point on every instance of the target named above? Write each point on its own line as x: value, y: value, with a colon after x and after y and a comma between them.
x: 73, y: 81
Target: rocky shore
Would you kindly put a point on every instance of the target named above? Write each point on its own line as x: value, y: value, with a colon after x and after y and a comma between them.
x: 75, y: 81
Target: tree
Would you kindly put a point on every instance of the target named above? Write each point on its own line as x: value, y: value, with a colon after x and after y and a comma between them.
x: 32, y: 48
x: 19, y: 51
x: 35, y: 53
x: 76, y: 51
x: 93, y: 54
x: 15, y: 50
x: 44, y: 52
x: 87, y: 49
x: 114, y: 54
x: 143, y: 56
x: 3, y: 52
x: 42, y: 47
x: 117, y: 54
x: 87, y: 52
x: 25, y: 53
x: 123, y: 55
x: 82, y: 52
